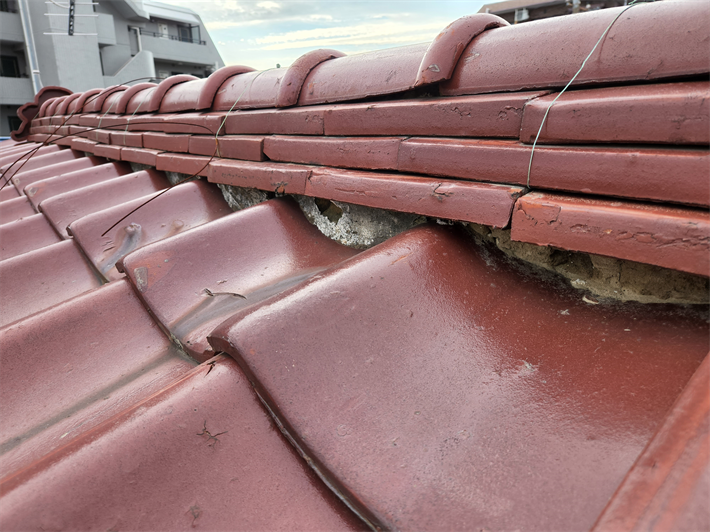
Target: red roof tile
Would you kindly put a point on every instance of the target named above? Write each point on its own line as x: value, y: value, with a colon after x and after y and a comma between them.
x: 274, y: 177
x: 666, y: 488
x: 63, y: 209
x: 15, y: 209
x: 8, y: 193
x: 104, y: 245
x: 435, y: 385
x: 38, y: 191
x: 27, y: 234
x: 662, y: 174
x: 432, y: 381
x: 376, y: 153
x: 106, y: 354
x: 262, y: 251
x: 202, y: 453
x: 672, y: 237
x: 163, y: 142
x: 43, y: 278
x: 547, y: 53
x: 495, y: 115
x: 481, y: 203
x: 248, y: 148
x: 184, y: 164
x: 669, y: 113
x: 38, y: 162
x: 298, y: 121
x: 141, y: 156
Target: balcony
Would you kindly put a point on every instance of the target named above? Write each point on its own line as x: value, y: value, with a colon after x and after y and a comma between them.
x: 173, y: 37
x: 171, y: 48
x: 15, y: 91
x: 11, y: 27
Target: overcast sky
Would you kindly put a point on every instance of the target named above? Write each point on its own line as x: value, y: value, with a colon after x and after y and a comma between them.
x: 262, y: 33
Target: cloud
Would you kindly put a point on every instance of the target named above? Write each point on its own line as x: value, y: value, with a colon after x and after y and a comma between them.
x: 359, y: 34
x: 269, y: 6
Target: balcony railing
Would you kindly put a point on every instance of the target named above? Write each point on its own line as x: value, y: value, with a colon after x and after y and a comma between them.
x: 172, y: 37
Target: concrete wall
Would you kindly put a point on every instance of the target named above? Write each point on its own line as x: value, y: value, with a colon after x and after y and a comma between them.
x: 139, y: 68
x: 15, y: 91
x: 11, y: 27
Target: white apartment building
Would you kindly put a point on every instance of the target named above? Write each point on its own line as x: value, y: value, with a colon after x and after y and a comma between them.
x: 114, y: 41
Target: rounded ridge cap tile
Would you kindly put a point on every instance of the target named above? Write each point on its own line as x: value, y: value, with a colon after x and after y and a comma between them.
x: 215, y: 81
x: 442, y: 56
x: 163, y: 87
x: 86, y: 98
x: 292, y: 82
x: 129, y: 93
x: 62, y: 108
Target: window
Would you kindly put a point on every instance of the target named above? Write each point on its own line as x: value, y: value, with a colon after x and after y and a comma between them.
x: 185, y: 33
x: 9, y: 67
x: 8, y: 6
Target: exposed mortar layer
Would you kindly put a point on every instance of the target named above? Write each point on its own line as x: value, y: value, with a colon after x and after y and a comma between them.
x: 603, y: 277
x: 138, y: 167
x: 239, y: 198
x: 356, y: 226
x: 176, y: 177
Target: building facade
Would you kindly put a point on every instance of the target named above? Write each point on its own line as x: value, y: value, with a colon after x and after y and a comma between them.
x: 114, y: 42
x: 517, y: 11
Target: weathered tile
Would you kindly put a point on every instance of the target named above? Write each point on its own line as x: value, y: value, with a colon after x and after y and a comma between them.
x: 184, y: 164
x: 489, y: 115
x: 38, y: 191
x: 110, y: 152
x: 482, y: 203
x: 274, y: 177
x: 140, y: 156
x: 668, y: 113
x: 244, y: 147
x: 23, y: 179
x: 296, y: 121
x: 358, y: 76
x: 374, y: 153
x: 8, y: 192
x: 671, y: 237
x: 39, y: 162
x: 547, y: 53
x: 678, y: 175
x: 165, y: 142
x: 668, y: 485
x: 15, y: 209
